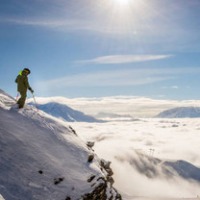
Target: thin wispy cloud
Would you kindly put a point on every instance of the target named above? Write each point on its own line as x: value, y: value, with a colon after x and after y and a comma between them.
x: 43, y: 22
x: 120, y: 59
x: 129, y: 77
x: 175, y: 87
x: 72, y: 24
x: 118, y: 77
x: 64, y: 25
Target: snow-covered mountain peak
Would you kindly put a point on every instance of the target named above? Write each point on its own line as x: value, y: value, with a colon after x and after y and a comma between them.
x: 65, y: 112
x: 180, y: 112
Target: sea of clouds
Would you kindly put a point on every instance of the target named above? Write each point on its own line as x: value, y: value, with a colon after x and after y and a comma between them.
x: 137, y: 150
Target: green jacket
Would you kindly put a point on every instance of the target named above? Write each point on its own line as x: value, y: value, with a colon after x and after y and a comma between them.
x: 22, y: 83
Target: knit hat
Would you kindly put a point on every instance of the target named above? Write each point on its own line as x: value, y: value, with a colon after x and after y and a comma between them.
x: 27, y: 70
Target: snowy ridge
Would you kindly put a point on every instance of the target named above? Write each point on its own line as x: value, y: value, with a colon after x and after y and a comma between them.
x: 180, y: 112
x: 41, y: 158
x: 65, y: 112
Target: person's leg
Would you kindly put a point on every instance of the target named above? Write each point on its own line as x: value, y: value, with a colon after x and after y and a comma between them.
x: 22, y: 99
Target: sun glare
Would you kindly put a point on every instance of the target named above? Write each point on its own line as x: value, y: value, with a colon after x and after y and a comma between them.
x: 122, y: 2
x: 126, y: 3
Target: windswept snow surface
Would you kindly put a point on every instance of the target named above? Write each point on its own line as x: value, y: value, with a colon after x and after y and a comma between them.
x: 152, y: 158
x: 40, y: 159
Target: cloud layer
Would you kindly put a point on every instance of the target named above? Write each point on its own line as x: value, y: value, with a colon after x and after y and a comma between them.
x: 134, y: 149
x: 121, y: 105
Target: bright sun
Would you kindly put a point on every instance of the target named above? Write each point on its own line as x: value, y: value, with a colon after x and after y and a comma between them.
x: 122, y: 2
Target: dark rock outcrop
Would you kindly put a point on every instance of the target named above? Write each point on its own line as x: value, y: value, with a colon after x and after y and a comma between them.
x: 103, y: 191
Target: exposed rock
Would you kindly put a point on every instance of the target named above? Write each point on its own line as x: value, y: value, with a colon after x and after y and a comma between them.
x: 73, y: 131
x: 91, y: 178
x: 90, y: 144
x: 58, y: 180
x: 106, y: 166
x: 90, y: 158
x: 101, y: 192
x: 40, y: 172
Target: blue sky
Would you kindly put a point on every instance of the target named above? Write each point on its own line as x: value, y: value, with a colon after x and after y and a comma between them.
x: 94, y: 48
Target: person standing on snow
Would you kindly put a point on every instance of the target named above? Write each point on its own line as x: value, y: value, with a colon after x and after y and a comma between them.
x: 22, y: 86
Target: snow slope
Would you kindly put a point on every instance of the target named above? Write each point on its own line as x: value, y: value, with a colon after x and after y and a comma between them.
x: 180, y: 112
x: 42, y: 159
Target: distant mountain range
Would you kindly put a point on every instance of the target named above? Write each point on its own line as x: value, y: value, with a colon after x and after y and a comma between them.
x: 112, y: 115
x: 153, y: 168
x: 180, y: 112
x: 65, y: 112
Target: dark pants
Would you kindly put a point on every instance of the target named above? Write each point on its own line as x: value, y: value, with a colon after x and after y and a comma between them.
x: 22, y: 99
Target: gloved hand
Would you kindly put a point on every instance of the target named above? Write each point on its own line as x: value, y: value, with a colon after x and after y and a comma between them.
x: 31, y: 90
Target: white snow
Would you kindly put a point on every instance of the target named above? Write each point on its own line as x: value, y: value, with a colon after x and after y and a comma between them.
x: 36, y: 150
x: 1, y: 198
